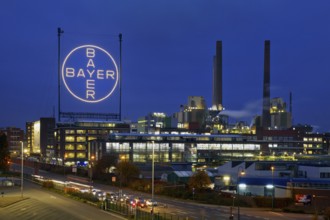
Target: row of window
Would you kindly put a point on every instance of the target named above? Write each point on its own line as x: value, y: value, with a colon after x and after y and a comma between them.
x: 75, y: 147
x: 324, y: 175
x: 182, y: 138
x: 180, y: 146
x: 72, y: 155
x: 277, y: 138
x: 312, y: 185
x: 315, y: 139
x: 78, y: 138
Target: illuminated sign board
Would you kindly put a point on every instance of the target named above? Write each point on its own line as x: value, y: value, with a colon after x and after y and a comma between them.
x: 90, y: 73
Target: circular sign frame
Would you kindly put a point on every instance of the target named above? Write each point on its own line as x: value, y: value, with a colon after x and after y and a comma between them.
x: 90, y: 73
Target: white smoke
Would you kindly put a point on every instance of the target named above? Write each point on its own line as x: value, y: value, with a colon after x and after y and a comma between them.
x: 249, y: 111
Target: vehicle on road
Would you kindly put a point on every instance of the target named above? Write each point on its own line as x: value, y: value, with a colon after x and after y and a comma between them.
x: 304, y: 199
x: 151, y: 202
x: 141, y: 203
x: 131, y: 202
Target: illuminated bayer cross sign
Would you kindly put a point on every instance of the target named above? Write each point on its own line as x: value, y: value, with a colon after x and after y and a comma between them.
x: 90, y: 73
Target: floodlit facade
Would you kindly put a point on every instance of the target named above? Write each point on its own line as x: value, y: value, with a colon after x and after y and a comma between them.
x: 152, y: 123
x: 40, y: 137
x: 284, y: 179
x: 71, y: 140
x: 193, y: 115
x: 279, y: 117
x: 174, y: 148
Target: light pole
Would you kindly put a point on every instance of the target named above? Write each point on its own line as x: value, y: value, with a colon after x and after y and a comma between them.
x: 153, y: 180
x: 273, y: 188
x: 91, y: 172
x: 231, y: 208
x: 122, y: 161
x: 64, y: 158
x: 240, y: 172
x: 22, y: 164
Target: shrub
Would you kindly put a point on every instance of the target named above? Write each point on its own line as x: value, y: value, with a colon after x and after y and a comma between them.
x: 267, y: 202
x: 327, y: 214
x: 48, y: 184
x: 84, y: 196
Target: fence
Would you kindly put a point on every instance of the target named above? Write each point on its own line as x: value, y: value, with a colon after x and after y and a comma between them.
x: 134, y: 213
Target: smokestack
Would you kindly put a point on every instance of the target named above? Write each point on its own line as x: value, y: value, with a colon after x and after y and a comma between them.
x: 217, y: 77
x: 266, y: 92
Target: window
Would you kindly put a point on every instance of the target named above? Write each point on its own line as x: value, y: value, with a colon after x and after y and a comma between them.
x: 69, y: 139
x: 69, y: 147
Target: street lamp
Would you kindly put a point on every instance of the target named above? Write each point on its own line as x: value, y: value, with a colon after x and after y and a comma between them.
x: 273, y: 188
x: 153, y: 180
x: 91, y: 171
x: 122, y: 161
x: 22, y: 164
x: 64, y: 158
x: 240, y: 172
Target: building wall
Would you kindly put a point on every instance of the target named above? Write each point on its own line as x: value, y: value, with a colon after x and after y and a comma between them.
x: 315, y: 172
x: 40, y: 136
x: 151, y: 123
x: 255, y: 190
x: 47, y: 128
x: 15, y: 136
x: 72, y: 139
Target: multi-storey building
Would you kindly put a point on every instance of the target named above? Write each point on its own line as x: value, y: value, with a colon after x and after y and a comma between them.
x: 151, y: 123
x: 279, y: 117
x: 71, y: 140
x: 204, y: 148
x: 177, y: 148
x: 15, y: 139
x: 193, y: 115
x: 40, y: 137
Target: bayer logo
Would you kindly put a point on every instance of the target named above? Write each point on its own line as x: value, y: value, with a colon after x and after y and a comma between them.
x: 90, y: 73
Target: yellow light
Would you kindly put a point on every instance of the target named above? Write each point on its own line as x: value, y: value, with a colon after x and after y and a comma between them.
x: 226, y: 178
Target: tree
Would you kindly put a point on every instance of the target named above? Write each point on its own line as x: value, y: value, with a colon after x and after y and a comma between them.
x: 4, y: 153
x: 105, y: 163
x: 199, y: 180
x: 127, y: 171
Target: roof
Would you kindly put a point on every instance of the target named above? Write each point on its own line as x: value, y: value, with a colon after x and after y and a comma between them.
x: 189, y: 173
x: 183, y: 173
x: 257, y: 181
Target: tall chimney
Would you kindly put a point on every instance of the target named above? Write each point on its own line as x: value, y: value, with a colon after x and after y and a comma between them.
x: 266, y: 92
x: 217, y: 77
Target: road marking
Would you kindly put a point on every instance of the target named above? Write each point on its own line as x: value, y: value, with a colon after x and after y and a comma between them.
x: 53, y: 197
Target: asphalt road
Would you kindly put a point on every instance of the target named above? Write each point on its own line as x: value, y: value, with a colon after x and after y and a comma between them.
x: 43, y: 204
x: 192, y: 210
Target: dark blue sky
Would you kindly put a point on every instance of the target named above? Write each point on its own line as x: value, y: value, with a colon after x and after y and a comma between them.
x: 167, y: 54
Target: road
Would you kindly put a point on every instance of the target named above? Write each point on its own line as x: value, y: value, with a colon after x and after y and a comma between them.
x: 196, y: 211
x: 43, y: 204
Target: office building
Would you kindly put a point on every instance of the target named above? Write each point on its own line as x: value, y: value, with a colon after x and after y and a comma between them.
x: 40, y: 137
x: 72, y: 138
x: 15, y: 137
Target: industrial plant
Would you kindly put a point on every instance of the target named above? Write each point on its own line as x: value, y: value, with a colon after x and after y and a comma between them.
x: 195, y: 137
